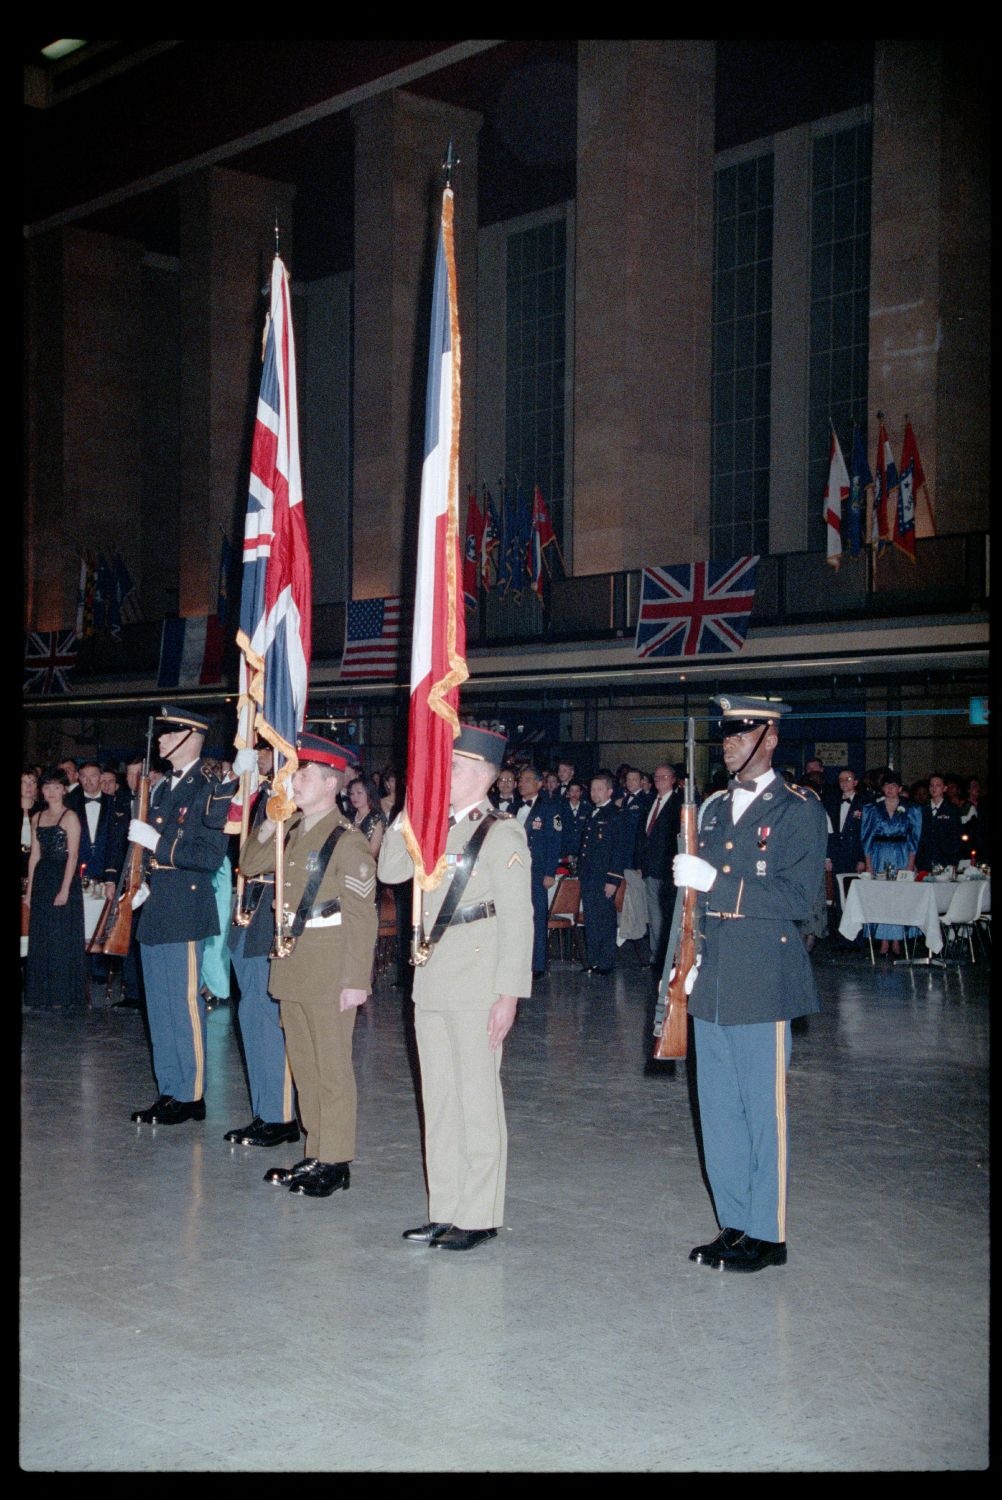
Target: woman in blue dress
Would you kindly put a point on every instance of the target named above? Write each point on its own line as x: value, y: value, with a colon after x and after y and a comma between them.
x: 890, y: 838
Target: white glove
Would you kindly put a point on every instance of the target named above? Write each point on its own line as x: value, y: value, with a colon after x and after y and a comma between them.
x: 690, y: 978
x: 140, y: 896
x: 689, y: 869
x: 142, y: 833
x: 245, y: 760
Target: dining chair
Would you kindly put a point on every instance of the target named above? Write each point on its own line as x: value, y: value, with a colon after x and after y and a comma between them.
x: 961, y: 914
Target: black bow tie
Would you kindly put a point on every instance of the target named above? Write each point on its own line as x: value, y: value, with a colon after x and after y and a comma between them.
x: 746, y: 786
x: 89, y: 798
x: 846, y: 799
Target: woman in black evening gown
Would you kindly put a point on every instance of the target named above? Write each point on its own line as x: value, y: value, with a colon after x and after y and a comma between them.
x: 55, y: 975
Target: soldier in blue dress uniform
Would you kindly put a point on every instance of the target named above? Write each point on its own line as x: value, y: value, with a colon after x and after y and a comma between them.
x: 606, y: 847
x: 761, y: 854
x: 541, y: 817
x: 185, y: 834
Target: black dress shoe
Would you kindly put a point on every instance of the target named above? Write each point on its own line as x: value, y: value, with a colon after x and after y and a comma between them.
x: 425, y: 1233
x: 151, y: 1115
x: 462, y: 1239
x: 328, y: 1177
x: 264, y: 1133
x: 176, y: 1111
x: 284, y: 1176
x: 126, y: 1004
x: 709, y: 1255
x: 753, y: 1255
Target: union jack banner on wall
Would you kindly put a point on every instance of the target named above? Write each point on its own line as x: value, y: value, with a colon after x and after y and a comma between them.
x: 49, y: 658
x: 696, y: 609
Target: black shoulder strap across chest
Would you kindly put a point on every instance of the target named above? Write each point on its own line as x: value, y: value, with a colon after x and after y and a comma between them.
x: 461, y: 879
x: 316, y: 876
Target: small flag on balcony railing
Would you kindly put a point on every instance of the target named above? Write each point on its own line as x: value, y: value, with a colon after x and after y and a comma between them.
x: 49, y: 658
x: 490, y: 542
x: 861, y: 480
x: 885, y: 495
x: 696, y: 609
x: 836, y: 491
x: 472, y: 550
x: 191, y: 651
x: 372, y: 638
x: 914, y: 516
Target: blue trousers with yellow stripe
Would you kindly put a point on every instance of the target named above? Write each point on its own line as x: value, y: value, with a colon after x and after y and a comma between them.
x: 176, y: 1013
x: 271, y: 1091
x: 741, y: 1079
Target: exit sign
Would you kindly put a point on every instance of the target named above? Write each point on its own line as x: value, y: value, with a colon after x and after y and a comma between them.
x: 978, y: 711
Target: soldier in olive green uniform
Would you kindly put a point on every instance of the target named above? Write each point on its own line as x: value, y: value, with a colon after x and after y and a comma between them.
x: 465, y: 1000
x: 328, y: 973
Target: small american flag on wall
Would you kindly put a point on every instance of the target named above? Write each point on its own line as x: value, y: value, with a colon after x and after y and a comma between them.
x: 372, y: 638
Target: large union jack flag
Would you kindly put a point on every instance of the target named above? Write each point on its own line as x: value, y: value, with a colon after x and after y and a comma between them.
x: 696, y: 609
x: 49, y: 658
x: 275, y: 600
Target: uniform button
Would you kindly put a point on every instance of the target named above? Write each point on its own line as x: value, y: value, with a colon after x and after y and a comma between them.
x: 726, y: 869
x: 729, y: 845
x: 782, y: 940
x: 194, y: 887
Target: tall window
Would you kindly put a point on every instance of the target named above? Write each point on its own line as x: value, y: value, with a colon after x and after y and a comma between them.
x: 840, y: 296
x: 536, y: 346
x: 742, y: 357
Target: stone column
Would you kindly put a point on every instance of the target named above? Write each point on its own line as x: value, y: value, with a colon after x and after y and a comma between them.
x: 643, y: 307
x: 930, y: 271
x: 84, y: 294
x: 400, y: 141
x: 227, y: 248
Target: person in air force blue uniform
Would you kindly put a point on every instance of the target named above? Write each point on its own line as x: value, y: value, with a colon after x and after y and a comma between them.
x: 606, y: 848
x: 541, y: 818
x: 761, y: 851
x: 185, y: 835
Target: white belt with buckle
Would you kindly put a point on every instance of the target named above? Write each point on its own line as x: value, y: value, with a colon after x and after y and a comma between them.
x: 334, y: 920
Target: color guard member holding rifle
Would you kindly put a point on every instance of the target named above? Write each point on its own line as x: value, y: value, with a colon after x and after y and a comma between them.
x: 474, y: 964
x: 761, y: 851
x: 184, y: 832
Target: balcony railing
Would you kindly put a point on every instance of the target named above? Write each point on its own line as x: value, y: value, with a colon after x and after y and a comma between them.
x: 949, y: 576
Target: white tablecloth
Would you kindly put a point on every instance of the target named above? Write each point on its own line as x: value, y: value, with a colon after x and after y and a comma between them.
x: 905, y: 903
x: 940, y: 890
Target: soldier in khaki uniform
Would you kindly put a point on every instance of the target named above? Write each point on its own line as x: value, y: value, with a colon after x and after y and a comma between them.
x: 465, y: 1000
x: 328, y: 973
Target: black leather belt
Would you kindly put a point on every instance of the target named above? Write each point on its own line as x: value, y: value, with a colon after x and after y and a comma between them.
x: 326, y: 908
x: 474, y: 912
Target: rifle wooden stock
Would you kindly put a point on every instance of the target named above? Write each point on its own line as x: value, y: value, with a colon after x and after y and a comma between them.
x: 674, y: 1038
x: 113, y: 933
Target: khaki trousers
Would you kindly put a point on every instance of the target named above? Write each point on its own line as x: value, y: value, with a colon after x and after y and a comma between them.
x: 466, y: 1140
x: 318, y: 1042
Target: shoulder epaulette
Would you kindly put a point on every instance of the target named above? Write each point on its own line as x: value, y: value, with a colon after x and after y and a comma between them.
x: 803, y: 792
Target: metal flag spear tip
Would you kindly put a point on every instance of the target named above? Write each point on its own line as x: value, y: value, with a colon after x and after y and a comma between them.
x: 449, y: 163
x: 277, y: 247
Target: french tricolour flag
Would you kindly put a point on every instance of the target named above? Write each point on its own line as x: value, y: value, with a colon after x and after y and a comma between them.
x: 438, y: 663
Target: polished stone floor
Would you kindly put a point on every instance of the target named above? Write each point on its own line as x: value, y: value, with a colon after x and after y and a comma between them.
x: 177, y: 1314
